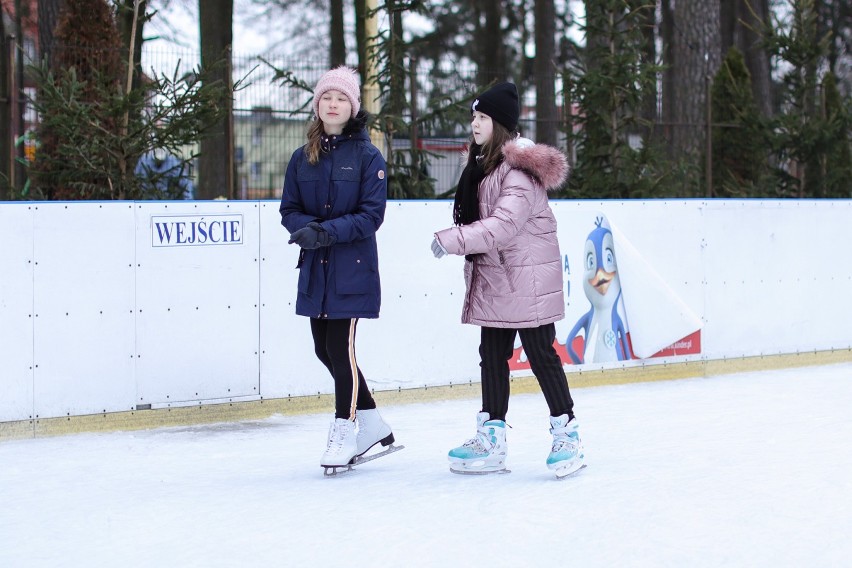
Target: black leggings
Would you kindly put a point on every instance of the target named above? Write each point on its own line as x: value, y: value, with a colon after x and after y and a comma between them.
x: 334, y: 344
x: 495, y: 348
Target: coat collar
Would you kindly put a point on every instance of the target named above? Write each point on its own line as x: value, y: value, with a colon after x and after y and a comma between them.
x: 545, y: 163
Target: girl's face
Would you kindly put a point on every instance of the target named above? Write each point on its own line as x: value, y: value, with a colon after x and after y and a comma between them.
x: 334, y: 111
x: 482, y: 127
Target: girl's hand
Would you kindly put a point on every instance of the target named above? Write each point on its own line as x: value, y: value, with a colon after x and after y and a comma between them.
x: 437, y: 249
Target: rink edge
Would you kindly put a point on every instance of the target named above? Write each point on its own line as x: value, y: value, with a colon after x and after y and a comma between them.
x: 264, y: 408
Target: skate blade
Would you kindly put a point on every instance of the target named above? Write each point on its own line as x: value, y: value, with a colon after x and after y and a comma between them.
x: 480, y: 472
x: 336, y: 470
x: 362, y: 458
x: 570, y: 473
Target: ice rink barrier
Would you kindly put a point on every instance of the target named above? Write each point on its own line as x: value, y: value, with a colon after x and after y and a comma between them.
x: 123, y: 307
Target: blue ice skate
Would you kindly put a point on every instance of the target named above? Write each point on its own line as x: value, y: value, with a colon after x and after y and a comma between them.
x: 566, y: 454
x: 485, y: 452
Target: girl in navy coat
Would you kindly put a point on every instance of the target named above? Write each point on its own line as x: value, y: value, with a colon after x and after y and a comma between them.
x: 333, y: 203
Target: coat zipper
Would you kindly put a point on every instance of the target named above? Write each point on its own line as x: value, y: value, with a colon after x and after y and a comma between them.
x: 469, y: 302
x: 505, y: 270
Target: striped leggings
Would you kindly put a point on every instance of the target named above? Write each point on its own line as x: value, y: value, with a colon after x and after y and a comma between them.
x: 495, y: 349
x: 334, y: 344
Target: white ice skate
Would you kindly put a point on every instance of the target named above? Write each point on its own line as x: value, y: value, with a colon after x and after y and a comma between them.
x: 372, y: 430
x: 341, y: 447
x: 566, y: 454
x: 485, y: 452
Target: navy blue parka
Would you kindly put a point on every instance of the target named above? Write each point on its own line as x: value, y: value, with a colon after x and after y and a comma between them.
x: 346, y: 192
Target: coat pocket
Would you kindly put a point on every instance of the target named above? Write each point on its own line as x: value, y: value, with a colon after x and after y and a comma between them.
x: 305, y: 264
x: 507, y: 274
x: 346, y: 179
x: 354, y: 270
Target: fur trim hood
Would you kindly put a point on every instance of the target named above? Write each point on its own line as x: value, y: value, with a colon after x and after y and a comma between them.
x: 545, y: 163
x: 357, y: 123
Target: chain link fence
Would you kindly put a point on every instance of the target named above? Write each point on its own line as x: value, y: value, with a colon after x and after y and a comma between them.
x: 271, y: 116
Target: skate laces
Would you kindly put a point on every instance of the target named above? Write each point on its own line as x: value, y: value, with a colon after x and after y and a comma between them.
x: 477, y: 443
x: 562, y: 440
x: 335, y: 438
x: 564, y: 443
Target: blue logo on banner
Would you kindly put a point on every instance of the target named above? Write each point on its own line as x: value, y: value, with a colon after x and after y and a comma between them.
x: 196, y: 230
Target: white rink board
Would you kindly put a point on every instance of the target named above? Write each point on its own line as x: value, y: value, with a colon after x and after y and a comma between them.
x: 16, y: 312
x: 422, y: 299
x: 84, y: 308
x: 287, y: 364
x: 779, y: 277
x: 197, y: 321
x: 117, y: 315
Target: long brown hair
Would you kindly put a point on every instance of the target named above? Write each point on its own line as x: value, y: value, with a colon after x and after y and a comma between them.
x: 492, y: 151
x: 313, y: 147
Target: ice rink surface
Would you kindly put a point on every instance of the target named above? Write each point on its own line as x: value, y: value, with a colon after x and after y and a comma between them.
x: 745, y: 470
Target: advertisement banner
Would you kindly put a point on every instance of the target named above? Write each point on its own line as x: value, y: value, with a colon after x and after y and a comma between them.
x: 618, y: 307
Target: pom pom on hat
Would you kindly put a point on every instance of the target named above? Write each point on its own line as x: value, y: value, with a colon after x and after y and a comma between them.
x: 500, y: 102
x: 343, y: 79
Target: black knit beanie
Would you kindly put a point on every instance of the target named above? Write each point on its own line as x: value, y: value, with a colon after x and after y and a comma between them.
x: 500, y: 102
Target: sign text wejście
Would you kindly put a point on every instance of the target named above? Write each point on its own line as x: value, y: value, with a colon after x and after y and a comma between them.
x: 196, y: 230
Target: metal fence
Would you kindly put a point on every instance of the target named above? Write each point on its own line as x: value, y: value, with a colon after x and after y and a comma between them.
x: 271, y: 116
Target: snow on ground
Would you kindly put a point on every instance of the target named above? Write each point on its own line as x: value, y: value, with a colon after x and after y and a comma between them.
x: 744, y: 470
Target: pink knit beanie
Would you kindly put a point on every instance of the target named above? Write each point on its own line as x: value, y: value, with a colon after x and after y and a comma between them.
x: 343, y: 79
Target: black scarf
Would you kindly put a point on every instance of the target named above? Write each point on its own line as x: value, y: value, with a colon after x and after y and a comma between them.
x: 466, y: 206
x: 355, y: 124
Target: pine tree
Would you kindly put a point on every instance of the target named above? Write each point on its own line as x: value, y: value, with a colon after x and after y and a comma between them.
x: 397, y: 118
x: 610, y: 88
x: 799, y: 132
x: 93, y: 130
x: 86, y: 51
x: 836, y: 170
x: 739, y: 147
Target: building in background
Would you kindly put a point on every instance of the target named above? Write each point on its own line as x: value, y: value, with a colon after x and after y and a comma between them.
x: 264, y: 140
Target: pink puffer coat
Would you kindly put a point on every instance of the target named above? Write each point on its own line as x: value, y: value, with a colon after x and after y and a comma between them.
x: 515, y: 279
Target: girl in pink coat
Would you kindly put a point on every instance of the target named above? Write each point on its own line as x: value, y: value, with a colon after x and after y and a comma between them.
x: 506, y: 231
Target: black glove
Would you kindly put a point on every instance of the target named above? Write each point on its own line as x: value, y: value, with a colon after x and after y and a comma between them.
x: 313, y: 236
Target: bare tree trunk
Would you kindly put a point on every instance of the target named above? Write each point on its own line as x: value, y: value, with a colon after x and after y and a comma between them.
x: 48, y: 15
x: 125, y: 27
x: 396, y: 56
x: 6, y: 146
x: 215, y: 163
x: 490, y: 50
x: 835, y: 22
x: 545, y: 72
x: 697, y: 45
x: 337, y: 53
x: 742, y: 24
x: 20, y: 120
x: 361, y: 37
x: 754, y: 16
x: 728, y: 17
x: 649, y: 58
x: 526, y: 65
x: 669, y: 94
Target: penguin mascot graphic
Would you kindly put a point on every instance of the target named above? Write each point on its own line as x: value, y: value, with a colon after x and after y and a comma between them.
x: 603, y: 328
